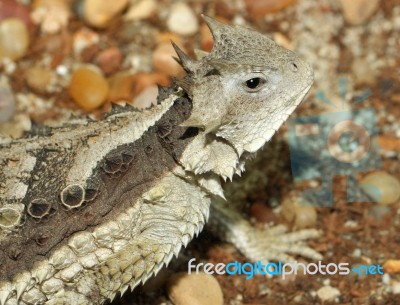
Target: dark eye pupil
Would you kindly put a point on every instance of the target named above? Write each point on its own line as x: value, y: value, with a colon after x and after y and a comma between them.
x: 253, y: 83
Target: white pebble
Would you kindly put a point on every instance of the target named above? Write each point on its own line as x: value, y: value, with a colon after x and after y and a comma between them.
x: 396, y: 287
x: 84, y: 38
x: 328, y: 293
x: 146, y: 98
x: 356, y: 253
x: 386, y: 279
x: 182, y: 20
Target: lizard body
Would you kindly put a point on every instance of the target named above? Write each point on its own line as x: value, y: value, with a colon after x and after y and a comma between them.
x: 90, y: 209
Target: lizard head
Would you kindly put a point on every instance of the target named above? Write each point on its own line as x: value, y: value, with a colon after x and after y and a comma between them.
x: 245, y: 88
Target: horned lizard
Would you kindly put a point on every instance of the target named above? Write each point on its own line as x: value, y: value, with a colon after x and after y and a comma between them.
x: 93, y: 208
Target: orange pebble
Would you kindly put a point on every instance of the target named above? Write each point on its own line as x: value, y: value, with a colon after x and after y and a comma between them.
x: 392, y: 266
x: 88, y: 88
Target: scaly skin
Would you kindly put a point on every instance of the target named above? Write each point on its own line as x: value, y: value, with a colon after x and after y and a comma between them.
x: 93, y: 208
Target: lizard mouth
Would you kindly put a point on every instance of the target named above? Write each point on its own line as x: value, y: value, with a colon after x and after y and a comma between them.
x: 298, y: 98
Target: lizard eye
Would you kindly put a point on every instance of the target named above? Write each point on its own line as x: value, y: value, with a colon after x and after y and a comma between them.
x: 254, y: 84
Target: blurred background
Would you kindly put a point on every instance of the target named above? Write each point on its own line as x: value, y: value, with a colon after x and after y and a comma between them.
x: 61, y: 57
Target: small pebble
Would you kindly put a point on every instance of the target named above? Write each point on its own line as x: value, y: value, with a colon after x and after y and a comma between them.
x: 386, y: 279
x: 121, y: 87
x: 88, y: 88
x: 194, y: 289
x: 146, y: 98
x: 298, y: 298
x: 16, y: 127
x: 392, y: 266
x: 182, y: 20
x: 260, y: 8
x: 382, y: 187
x: 396, y: 287
x: 52, y: 15
x: 306, y: 217
x: 167, y: 37
x: 7, y: 101
x: 351, y: 224
x: 163, y: 60
x: 100, y: 13
x: 356, y: 253
x: 358, y: 11
x: 144, y: 80
x: 140, y: 10
x: 125, y: 86
x: 14, y: 38
x: 261, y: 212
x: 109, y: 60
x: 302, y: 215
x: 363, y: 72
x: 82, y: 39
x: 283, y: 40
x: 38, y: 78
x: 328, y: 293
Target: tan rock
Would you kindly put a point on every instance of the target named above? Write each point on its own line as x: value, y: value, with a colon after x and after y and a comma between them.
x: 392, y: 266
x: 121, y: 87
x: 306, y: 217
x: 382, y: 187
x: 99, y: 13
x: 140, y: 10
x: 194, y: 289
x: 38, y: 78
x: 303, y: 215
x: 358, y: 11
x: 14, y: 38
x: 260, y: 8
x: 363, y: 72
x: 163, y: 60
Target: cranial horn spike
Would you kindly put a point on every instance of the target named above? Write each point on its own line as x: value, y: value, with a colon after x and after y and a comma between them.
x: 214, y: 25
x: 184, y: 60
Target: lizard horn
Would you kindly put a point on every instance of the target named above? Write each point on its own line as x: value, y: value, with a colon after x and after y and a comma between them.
x: 183, y: 59
x: 216, y: 27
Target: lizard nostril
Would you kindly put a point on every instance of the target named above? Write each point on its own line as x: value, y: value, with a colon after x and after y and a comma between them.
x: 293, y: 67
